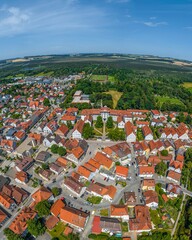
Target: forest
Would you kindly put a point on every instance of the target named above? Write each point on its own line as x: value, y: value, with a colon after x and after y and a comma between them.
x: 144, y: 84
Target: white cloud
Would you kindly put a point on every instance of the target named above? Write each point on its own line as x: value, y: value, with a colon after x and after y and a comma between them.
x: 53, y: 17
x: 154, y: 24
x: 12, y: 20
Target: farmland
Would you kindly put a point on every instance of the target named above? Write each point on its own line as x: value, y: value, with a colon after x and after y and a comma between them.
x: 188, y: 85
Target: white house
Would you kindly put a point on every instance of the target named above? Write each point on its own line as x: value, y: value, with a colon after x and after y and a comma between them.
x: 147, y: 133
x: 130, y: 133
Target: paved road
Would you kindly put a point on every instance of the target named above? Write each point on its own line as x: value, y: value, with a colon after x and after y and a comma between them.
x: 178, y: 217
x: 164, y: 180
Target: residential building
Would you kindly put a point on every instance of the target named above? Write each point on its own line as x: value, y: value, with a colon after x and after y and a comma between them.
x: 75, y: 218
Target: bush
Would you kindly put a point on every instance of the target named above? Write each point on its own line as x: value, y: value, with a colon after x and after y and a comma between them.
x: 164, y: 153
x: 43, y: 208
x: 55, y: 191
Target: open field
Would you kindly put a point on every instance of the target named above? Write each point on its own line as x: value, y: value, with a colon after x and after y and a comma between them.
x: 116, y: 96
x: 99, y: 77
x: 188, y: 85
x: 48, y: 74
x: 171, y: 100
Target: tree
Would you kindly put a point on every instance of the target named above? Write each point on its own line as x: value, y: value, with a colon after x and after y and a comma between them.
x: 43, y: 208
x: 11, y: 235
x: 180, y: 117
x: 61, y: 151
x: 188, y: 119
x: 69, y: 125
x: 164, y: 153
x: 36, y: 227
x: 116, y: 134
x: 54, y: 148
x: 99, y: 122
x: 109, y: 123
x: 161, y: 168
x: 45, y: 166
x: 168, y: 119
x: 46, y: 102
x: 87, y: 131
x: 55, y: 191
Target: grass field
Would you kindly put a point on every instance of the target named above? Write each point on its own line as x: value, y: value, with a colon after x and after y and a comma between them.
x: 48, y: 74
x: 104, y: 212
x: 102, y: 78
x: 188, y: 85
x: 171, y: 100
x: 99, y: 77
x: 116, y: 96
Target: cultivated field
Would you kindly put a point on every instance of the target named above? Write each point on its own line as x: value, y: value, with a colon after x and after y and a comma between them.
x: 188, y: 85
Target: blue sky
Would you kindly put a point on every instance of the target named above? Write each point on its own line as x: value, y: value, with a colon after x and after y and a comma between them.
x: 157, y: 27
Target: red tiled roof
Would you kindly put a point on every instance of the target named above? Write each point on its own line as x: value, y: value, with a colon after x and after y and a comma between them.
x: 103, y: 160
x: 56, y: 207
x: 19, y: 224
x: 42, y: 194
x: 122, y: 171
x: 73, y: 216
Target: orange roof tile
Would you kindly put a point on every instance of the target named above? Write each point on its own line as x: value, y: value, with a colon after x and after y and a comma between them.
x: 122, y: 171
x: 103, y: 160
x: 119, y: 210
x: 19, y: 224
x: 56, y: 207
x: 83, y: 171
x: 41, y: 194
x: 73, y: 216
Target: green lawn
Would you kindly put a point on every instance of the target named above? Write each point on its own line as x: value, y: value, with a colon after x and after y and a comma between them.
x: 124, y: 226
x: 111, y: 78
x: 87, y: 183
x: 94, y: 200
x: 115, y: 96
x: 140, y: 136
x: 99, y: 77
x: 99, y: 132
x: 188, y: 85
x: 57, y: 231
x: 123, y: 184
x: 48, y: 74
x: 102, y: 236
x: 104, y: 212
x: 155, y: 218
x: 164, y: 99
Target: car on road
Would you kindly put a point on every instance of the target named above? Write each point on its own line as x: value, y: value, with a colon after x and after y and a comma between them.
x: 105, y: 178
x: 54, y: 180
x: 62, y: 198
x: 75, y: 198
x: 139, y: 190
